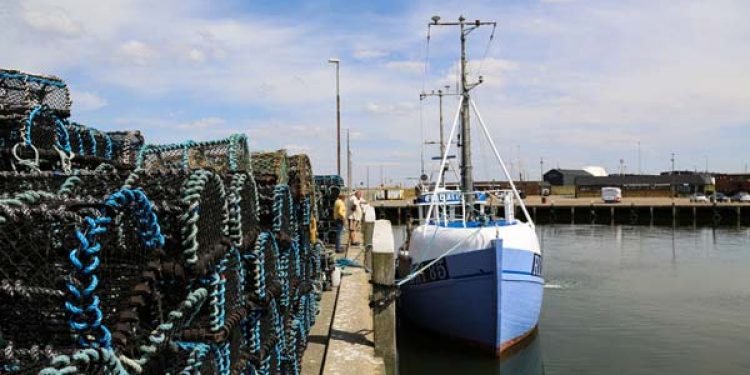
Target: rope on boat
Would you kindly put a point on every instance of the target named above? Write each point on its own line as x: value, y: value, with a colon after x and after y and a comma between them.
x: 416, y: 273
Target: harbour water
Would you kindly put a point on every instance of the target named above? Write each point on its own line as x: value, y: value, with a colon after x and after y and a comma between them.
x: 622, y: 300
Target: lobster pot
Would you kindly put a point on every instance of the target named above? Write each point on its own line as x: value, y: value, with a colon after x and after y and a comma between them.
x: 35, y: 290
x: 193, y: 358
x: 87, y: 141
x: 265, y: 330
x: 220, y: 156
x: 243, y: 209
x: 34, y: 137
x: 126, y: 145
x: 33, y: 275
x: 300, y: 176
x: 12, y: 183
x: 193, y: 214
x: 21, y: 92
x: 224, y: 312
x: 269, y: 169
x: 329, y: 188
x: 92, y: 184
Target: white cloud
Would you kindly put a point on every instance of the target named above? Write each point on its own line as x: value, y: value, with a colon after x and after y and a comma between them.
x: 390, y: 109
x: 203, y: 123
x: 369, y: 54
x: 137, y: 52
x: 86, y: 101
x: 586, y: 76
x: 412, y: 67
x: 52, y: 20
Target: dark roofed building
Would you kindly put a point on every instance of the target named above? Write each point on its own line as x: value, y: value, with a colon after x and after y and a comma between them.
x: 560, y: 177
x: 645, y: 185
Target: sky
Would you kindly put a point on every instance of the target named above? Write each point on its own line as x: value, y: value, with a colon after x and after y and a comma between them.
x: 572, y: 83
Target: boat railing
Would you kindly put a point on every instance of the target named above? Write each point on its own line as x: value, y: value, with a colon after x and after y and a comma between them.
x: 450, y: 206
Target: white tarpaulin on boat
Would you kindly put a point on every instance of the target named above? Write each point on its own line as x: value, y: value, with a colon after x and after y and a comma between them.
x: 429, y: 242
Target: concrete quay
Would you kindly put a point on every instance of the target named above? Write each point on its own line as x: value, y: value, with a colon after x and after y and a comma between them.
x: 342, y: 337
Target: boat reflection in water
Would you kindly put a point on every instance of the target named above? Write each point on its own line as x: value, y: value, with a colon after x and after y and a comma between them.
x: 421, y: 352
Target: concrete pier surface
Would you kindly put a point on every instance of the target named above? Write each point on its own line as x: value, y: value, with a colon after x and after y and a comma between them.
x: 342, y: 337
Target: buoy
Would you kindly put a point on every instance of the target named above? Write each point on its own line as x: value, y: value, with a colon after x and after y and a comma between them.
x: 336, y: 277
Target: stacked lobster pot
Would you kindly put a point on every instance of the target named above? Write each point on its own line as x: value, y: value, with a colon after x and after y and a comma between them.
x: 287, y: 214
x: 329, y: 187
x: 36, y: 132
x: 125, y: 258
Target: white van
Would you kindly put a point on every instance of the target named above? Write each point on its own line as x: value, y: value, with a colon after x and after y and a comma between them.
x: 611, y: 194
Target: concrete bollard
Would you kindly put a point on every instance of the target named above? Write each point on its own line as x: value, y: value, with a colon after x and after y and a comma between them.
x: 368, y: 227
x: 383, y: 279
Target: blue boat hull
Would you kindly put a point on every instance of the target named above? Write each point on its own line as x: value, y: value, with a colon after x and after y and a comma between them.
x: 464, y: 297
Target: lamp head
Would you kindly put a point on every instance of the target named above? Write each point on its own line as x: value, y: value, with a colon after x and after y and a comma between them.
x: 334, y: 61
x: 435, y: 19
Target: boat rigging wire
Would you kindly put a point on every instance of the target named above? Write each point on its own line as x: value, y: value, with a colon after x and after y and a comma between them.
x: 487, y: 49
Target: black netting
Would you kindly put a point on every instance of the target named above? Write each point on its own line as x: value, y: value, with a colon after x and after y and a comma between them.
x: 21, y: 92
x: 221, y: 156
x: 229, y: 289
x: 329, y: 188
x: 126, y: 146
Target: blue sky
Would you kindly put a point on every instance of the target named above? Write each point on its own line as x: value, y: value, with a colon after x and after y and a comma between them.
x: 574, y: 82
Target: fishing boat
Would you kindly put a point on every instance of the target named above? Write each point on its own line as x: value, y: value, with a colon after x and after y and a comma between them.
x: 474, y: 276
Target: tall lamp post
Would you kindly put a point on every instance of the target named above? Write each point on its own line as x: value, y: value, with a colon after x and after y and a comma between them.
x: 338, y: 117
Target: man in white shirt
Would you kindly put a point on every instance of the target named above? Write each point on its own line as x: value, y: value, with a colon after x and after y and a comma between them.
x: 354, y: 207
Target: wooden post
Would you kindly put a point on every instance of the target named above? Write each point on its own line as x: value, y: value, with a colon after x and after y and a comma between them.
x: 695, y: 219
x: 612, y: 215
x: 739, y: 217
x: 552, y: 215
x: 383, y: 278
x: 674, y: 215
x: 572, y: 215
x: 534, y: 210
x: 651, y: 211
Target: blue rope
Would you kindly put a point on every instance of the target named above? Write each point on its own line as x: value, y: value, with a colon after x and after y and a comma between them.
x: 85, y: 303
x: 29, y: 78
x: 108, y: 146
x: 92, y: 137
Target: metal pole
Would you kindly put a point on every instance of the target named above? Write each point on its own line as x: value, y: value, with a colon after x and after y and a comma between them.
x: 338, y: 117
x: 467, y: 181
x: 640, y: 171
x: 348, y: 162
x: 442, y: 137
x: 338, y: 123
x: 541, y: 169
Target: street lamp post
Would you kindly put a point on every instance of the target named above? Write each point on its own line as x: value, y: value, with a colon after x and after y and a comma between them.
x: 338, y: 117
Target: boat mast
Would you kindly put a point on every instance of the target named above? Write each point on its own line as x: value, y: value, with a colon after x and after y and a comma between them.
x: 467, y: 179
x: 442, y: 144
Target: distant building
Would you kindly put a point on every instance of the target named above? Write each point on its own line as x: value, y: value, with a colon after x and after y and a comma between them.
x: 646, y: 185
x: 731, y: 183
x: 596, y: 171
x: 564, y: 177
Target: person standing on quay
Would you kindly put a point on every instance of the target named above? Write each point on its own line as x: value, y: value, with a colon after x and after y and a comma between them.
x: 339, y: 214
x: 355, y: 216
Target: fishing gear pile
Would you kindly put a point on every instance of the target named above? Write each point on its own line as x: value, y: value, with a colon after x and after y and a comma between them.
x: 125, y: 258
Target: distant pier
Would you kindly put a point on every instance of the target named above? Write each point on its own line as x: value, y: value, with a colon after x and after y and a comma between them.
x: 631, y: 211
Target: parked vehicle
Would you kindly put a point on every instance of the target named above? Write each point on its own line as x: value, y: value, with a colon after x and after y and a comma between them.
x: 720, y: 198
x: 699, y: 198
x: 611, y: 194
x: 742, y: 197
